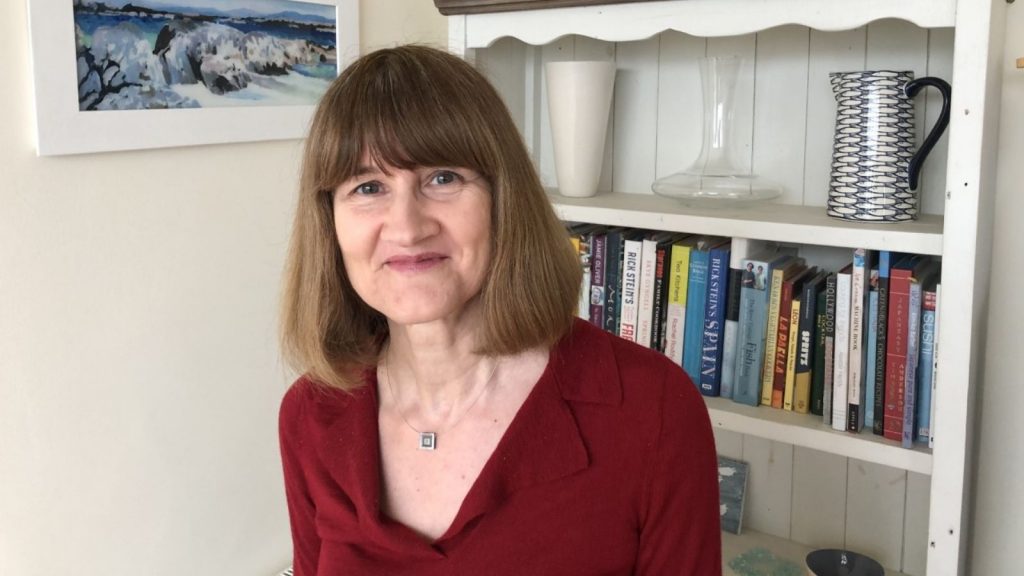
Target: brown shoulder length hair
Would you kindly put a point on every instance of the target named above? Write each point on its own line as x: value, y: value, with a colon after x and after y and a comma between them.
x: 406, y: 107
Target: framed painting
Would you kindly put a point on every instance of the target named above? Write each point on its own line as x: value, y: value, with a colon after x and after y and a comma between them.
x: 133, y: 74
x: 732, y: 487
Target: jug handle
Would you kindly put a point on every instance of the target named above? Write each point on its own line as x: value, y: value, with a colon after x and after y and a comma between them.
x: 911, y: 90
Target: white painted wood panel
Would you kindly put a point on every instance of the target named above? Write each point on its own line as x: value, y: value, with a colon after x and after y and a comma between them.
x: 504, y: 65
x: 680, y: 105
x: 769, y: 486
x: 829, y: 52
x: 874, y: 511
x: 729, y: 444
x: 636, y: 116
x: 915, y: 524
x: 780, y: 109
x: 819, y: 498
x: 940, y: 64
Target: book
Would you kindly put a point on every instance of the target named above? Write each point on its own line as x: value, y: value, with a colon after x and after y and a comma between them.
x: 775, y: 280
x: 829, y: 348
x: 740, y: 249
x: 750, y: 340
x: 645, y: 288
x: 580, y: 244
x: 696, y: 298
x: 896, y: 350
x: 806, y: 342
x: 935, y: 367
x: 870, y: 351
x: 614, y: 243
x: 632, y: 249
x: 921, y: 277
x: 679, y: 275
x: 791, y: 282
x: 794, y: 329
x: 661, y: 280
x: 857, y: 359
x: 926, y: 363
x: 714, y: 320
x: 881, y: 329
x: 598, y: 255
x: 841, y: 354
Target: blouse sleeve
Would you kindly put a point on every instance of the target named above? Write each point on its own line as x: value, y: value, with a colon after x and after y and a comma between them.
x: 679, y: 531
x: 301, y: 508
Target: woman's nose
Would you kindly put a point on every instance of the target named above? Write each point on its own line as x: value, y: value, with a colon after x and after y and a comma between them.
x: 409, y: 219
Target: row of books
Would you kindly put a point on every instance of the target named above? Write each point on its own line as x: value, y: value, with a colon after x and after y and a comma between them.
x: 856, y: 346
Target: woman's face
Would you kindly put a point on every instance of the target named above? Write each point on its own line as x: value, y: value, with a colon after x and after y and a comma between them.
x: 416, y: 243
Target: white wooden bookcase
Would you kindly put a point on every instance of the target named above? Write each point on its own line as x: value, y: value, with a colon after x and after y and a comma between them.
x: 809, y: 486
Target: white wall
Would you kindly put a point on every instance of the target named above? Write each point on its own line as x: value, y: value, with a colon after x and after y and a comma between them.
x: 139, y: 377
x: 999, y: 505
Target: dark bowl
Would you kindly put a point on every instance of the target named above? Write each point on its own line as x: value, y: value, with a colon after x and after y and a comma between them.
x: 842, y: 563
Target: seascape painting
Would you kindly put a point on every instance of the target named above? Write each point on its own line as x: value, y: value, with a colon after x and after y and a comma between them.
x: 159, y: 54
x: 732, y: 484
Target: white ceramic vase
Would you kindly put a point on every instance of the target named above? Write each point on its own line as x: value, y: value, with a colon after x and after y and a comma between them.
x: 579, y: 105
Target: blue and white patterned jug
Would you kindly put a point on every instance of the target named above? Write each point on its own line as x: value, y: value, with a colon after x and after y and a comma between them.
x: 874, y: 166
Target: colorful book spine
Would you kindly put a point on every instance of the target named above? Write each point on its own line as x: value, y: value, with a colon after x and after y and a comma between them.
x: 806, y: 333
x: 818, y: 372
x: 881, y: 339
x: 771, y: 338
x: 598, y: 254
x: 857, y: 359
x: 631, y: 254
x: 614, y: 242
x: 896, y: 350
x: 792, y: 280
x: 645, y: 290
x: 661, y: 278
x: 753, y: 318
x: 740, y: 249
x: 910, y: 371
x: 696, y: 297
x: 841, y: 355
x: 872, y: 360
x: 935, y: 366
x: 679, y: 270
x: 714, y: 321
x: 794, y: 334
x: 926, y: 365
x: 830, y: 340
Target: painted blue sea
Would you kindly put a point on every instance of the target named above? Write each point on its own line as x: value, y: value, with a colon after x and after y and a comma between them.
x: 150, y: 54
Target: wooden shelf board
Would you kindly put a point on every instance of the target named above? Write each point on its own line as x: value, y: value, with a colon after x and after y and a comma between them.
x: 706, y: 18
x: 759, y: 221
x: 733, y: 545
x: 808, y: 431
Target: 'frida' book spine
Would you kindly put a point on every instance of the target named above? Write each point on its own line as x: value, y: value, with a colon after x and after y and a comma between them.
x: 752, y: 322
x: 740, y: 249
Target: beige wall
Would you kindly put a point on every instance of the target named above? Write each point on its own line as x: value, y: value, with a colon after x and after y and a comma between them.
x: 139, y: 379
x: 999, y: 505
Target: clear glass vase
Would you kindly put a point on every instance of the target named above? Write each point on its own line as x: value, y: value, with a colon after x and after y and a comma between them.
x: 718, y: 173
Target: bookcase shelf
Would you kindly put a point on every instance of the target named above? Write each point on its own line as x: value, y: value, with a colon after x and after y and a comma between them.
x: 760, y: 221
x: 906, y: 507
x: 808, y: 431
x: 706, y: 18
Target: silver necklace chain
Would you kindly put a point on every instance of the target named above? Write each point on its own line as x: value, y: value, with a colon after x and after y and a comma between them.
x: 428, y: 440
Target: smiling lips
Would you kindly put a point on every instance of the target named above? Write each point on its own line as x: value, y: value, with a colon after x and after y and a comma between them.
x: 414, y: 263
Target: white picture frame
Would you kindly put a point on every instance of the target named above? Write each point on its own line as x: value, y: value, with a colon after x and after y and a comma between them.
x: 61, y: 128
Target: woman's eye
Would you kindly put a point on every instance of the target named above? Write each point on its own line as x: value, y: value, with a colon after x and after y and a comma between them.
x: 367, y: 189
x: 444, y: 177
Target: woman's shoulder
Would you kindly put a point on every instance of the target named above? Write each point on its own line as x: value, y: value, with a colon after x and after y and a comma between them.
x: 308, y: 400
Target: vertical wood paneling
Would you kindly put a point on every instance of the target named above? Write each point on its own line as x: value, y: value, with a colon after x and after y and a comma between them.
x: 744, y: 47
x: 819, y: 498
x: 769, y: 486
x: 680, y: 104
x: 636, y: 116
x: 874, y: 511
x: 780, y: 109
x: 560, y: 50
x: 504, y: 64
x: 729, y: 444
x: 915, y: 526
x: 940, y: 64
x: 829, y: 52
x: 590, y: 49
x: 898, y: 45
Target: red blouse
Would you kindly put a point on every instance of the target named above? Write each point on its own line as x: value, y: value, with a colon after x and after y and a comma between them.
x: 608, y: 468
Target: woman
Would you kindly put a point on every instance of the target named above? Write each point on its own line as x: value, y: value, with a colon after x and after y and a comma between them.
x: 454, y: 418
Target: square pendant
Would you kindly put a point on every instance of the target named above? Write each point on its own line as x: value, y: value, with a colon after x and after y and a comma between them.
x: 428, y: 441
